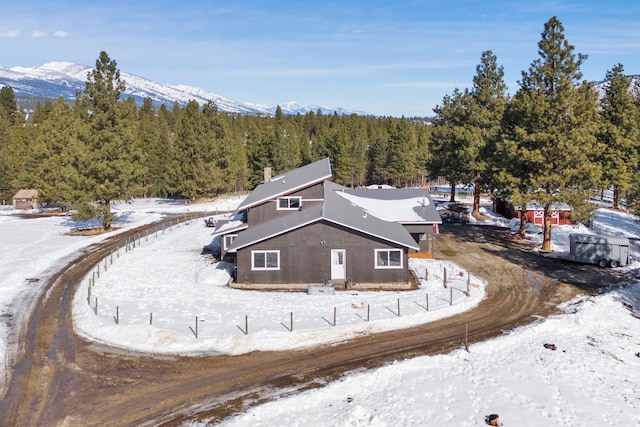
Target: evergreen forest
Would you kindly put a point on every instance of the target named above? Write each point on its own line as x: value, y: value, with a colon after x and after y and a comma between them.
x: 555, y: 139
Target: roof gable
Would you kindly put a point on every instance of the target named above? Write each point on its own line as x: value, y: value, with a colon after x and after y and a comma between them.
x: 336, y: 210
x: 288, y: 182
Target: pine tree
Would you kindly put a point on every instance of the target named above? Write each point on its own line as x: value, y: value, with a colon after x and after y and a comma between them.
x: 555, y: 117
x: 488, y: 103
x: 452, y: 136
x: 402, y: 164
x: 110, y: 171
x: 284, y: 146
x: 195, y: 164
x: 57, y: 151
x: 379, y: 153
x: 8, y: 105
x: 620, y: 133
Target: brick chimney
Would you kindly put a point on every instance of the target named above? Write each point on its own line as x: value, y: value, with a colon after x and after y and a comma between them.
x: 267, y: 173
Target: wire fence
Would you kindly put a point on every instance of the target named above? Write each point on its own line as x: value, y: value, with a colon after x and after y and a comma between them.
x: 447, y: 286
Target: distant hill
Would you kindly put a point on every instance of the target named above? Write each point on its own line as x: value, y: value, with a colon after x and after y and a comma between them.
x: 56, y: 79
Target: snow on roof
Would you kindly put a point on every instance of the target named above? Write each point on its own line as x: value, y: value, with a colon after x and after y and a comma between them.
x: 335, y: 210
x: 395, y: 205
x: 224, y: 227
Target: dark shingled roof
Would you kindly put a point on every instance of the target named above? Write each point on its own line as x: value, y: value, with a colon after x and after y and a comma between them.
x: 335, y: 209
x: 288, y: 182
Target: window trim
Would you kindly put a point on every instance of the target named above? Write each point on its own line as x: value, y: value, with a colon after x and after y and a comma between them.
x: 265, y: 252
x: 224, y: 240
x: 288, y: 199
x: 388, y: 251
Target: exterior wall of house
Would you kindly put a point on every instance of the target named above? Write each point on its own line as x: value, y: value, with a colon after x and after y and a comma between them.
x: 424, y: 236
x: 269, y: 210
x: 305, y: 257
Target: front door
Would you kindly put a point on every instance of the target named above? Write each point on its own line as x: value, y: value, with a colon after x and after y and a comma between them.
x: 338, y: 267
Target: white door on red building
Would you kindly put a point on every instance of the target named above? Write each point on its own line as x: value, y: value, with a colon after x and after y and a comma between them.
x: 538, y: 217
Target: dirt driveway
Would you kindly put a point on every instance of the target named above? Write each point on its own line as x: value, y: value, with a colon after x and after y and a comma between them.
x: 58, y: 379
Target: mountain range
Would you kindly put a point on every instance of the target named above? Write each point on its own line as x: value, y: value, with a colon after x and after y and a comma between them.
x: 55, y: 79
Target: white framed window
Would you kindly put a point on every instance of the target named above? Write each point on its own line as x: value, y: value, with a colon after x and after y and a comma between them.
x: 388, y: 258
x: 265, y: 260
x: 289, y: 203
x: 228, y: 240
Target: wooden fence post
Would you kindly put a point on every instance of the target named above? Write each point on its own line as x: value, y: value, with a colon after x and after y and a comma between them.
x: 427, y: 302
x: 466, y: 337
x: 196, y: 327
x: 117, y: 314
x: 151, y: 318
x: 334, y: 316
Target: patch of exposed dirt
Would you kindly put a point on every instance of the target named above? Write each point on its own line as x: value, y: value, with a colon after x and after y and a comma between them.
x: 60, y: 379
x: 91, y: 231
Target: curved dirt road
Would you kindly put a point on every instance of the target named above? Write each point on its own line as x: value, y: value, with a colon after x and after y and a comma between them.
x: 59, y: 379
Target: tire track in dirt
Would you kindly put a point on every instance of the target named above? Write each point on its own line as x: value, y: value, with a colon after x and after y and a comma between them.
x: 61, y: 379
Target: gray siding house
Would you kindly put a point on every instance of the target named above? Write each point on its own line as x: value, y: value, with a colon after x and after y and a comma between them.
x: 302, y: 229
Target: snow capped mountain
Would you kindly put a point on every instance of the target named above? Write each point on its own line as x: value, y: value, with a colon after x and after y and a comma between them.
x: 293, y: 107
x: 55, y: 79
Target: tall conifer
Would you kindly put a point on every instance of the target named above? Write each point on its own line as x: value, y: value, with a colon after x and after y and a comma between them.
x: 620, y: 133
x: 554, y: 127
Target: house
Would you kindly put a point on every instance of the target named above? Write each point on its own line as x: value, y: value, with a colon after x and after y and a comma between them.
x: 301, y: 229
x: 26, y: 199
x: 413, y: 208
x: 534, y: 212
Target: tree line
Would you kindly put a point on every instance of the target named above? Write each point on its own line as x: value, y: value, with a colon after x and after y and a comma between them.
x: 553, y: 141
x: 105, y: 148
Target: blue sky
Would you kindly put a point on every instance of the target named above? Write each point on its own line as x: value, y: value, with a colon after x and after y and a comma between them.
x: 382, y: 57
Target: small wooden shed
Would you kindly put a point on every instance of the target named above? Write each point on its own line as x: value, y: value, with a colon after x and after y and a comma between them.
x: 26, y: 199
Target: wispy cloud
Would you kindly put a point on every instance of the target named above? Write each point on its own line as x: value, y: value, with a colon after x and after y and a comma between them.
x: 430, y: 85
x: 60, y: 34
x: 10, y: 34
x: 38, y: 34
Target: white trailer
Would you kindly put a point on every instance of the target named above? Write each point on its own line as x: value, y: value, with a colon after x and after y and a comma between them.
x: 606, y: 251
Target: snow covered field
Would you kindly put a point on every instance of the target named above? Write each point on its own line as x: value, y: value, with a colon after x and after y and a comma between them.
x: 591, y: 379
x: 170, y: 277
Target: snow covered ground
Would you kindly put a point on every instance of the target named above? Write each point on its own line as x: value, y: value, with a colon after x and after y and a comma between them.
x: 591, y: 379
x: 169, y: 281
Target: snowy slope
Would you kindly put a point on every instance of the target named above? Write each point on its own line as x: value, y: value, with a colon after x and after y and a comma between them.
x: 293, y: 107
x: 55, y: 79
